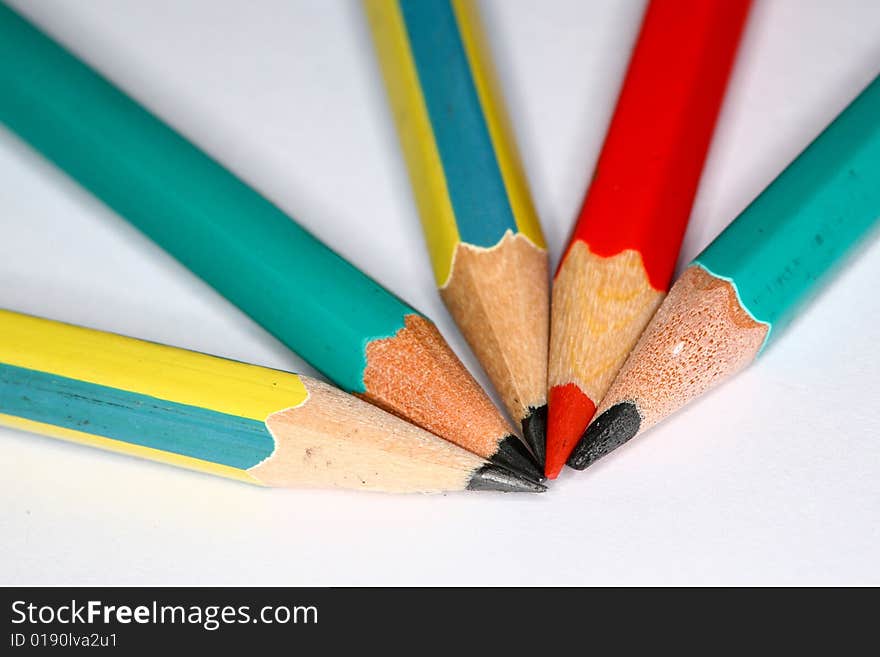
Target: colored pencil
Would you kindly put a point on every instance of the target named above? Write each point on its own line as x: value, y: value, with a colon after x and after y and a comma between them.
x: 621, y: 257
x: 486, y: 247
x: 358, y: 334
x: 219, y: 416
x: 747, y: 284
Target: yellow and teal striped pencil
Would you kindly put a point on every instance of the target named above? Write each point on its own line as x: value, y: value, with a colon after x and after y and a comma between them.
x: 218, y: 416
x: 487, y: 250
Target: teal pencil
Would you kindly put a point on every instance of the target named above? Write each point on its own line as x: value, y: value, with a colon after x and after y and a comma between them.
x: 748, y: 283
x: 344, y: 324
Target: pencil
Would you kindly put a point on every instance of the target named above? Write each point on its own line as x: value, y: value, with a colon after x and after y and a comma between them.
x: 622, y: 254
x: 487, y: 251
x: 219, y: 416
x: 347, y: 326
x: 745, y: 287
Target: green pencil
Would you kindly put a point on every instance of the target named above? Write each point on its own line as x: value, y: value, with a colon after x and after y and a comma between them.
x: 347, y: 326
x: 747, y: 285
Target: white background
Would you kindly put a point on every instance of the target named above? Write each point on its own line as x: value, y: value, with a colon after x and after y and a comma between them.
x: 773, y: 479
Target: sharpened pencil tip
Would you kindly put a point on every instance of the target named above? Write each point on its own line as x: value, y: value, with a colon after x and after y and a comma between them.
x: 570, y: 413
x: 492, y: 477
x: 534, y: 427
x: 608, y: 432
x: 513, y: 455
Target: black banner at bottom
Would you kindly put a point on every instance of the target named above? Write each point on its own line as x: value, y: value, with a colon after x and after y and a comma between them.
x: 402, y: 621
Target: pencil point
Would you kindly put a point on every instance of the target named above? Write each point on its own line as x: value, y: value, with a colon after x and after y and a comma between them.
x: 570, y: 413
x: 492, y: 477
x: 609, y: 431
x: 513, y: 455
x: 534, y: 428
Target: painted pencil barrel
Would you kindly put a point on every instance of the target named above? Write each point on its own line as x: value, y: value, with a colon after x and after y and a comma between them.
x: 794, y: 232
x: 647, y: 175
x: 215, y: 224
x: 483, y: 236
x: 139, y: 398
x: 749, y: 282
x: 466, y: 174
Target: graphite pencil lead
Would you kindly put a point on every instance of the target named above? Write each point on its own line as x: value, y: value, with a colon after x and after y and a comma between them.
x: 609, y: 431
x: 534, y: 428
x: 494, y: 478
x: 513, y: 455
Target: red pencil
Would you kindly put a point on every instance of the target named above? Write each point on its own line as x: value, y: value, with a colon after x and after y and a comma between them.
x: 622, y: 254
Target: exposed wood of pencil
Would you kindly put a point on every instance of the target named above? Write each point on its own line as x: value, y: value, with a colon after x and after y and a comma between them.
x: 335, y: 440
x: 700, y: 336
x: 600, y: 307
x: 498, y: 297
x: 416, y: 370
